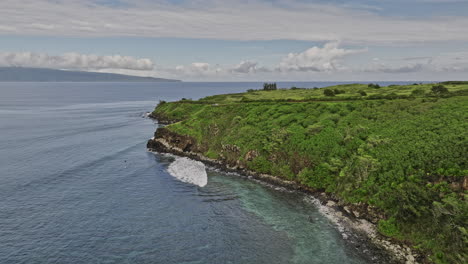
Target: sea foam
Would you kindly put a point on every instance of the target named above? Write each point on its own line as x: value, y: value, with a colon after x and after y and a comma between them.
x: 189, y: 171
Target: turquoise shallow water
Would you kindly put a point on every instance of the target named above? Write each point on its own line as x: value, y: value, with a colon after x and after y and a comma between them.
x: 77, y: 185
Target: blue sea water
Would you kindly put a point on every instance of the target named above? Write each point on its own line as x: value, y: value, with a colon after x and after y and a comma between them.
x: 77, y: 185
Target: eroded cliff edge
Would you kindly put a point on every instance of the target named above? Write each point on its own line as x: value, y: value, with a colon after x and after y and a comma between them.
x: 359, y: 220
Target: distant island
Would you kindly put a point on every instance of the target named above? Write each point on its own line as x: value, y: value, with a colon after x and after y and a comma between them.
x: 20, y: 74
x: 392, y: 156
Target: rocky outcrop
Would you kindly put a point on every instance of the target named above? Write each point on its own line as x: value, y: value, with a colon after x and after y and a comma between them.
x: 185, y: 143
x: 162, y: 119
x: 251, y: 155
x: 230, y: 148
x: 457, y: 184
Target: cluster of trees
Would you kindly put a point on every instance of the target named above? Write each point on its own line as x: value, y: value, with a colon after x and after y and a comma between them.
x: 439, y: 89
x: 436, y: 90
x: 373, y: 85
x: 418, y: 92
x: 332, y: 92
x: 328, y: 92
x: 338, y: 91
x: 269, y: 86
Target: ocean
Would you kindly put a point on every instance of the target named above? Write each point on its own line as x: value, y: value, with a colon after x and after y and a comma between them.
x: 77, y: 185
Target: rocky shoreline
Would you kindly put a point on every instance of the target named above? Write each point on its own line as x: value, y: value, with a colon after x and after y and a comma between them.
x: 358, y: 221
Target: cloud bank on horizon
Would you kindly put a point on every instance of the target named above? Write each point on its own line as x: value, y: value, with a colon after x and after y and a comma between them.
x: 73, y: 61
x: 365, y: 39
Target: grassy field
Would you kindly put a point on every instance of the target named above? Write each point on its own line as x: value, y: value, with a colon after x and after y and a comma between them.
x: 346, y: 91
x: 400, y: 149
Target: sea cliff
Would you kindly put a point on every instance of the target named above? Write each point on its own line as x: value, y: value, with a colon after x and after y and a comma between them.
x: 357, y: 220
x: 391, y: 161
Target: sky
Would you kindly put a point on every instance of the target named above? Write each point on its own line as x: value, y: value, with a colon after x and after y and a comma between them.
x: 241, y: 40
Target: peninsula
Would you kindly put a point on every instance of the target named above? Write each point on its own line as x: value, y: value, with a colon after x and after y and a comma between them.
x: 22, y: 74
x: 395, y: 156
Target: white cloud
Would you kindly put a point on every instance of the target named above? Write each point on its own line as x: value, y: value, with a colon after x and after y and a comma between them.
x: 195, y: 69
x: 329, y: 59
x: 200, y: 66
x: 450, y: 62
x: 236, y: 20
x: 442, y: 63
x: 245, y: 67
x: 403, y: 68
x: 317, y: 59
x: 73, y: 61
x: 311, y: 63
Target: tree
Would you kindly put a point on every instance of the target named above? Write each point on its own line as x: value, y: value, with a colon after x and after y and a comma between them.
x: 362, y: 93
x: 328, y: 92
x: 375, y: 86
x: 439, y: 89
x: 338, y: 91
x: 417, y: 92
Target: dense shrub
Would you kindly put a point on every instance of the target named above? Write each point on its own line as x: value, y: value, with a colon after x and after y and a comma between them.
x: 418, y: 92
x: 328, y: 92
x: 439, y: 89
x: 391, y: 96
x: 338, y: 91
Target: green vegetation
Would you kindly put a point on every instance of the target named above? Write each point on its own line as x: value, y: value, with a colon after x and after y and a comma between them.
x: 401, y: 149
x: 439, y: 89
x: 348, y: 92
x: 328, y: 92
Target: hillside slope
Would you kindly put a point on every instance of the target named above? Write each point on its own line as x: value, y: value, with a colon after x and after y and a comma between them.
x: 400, y: 150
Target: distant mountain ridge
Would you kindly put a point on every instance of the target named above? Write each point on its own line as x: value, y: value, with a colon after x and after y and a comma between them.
x: 20, y: 74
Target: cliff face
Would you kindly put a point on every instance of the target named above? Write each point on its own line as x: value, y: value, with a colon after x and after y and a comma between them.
x: 360, y: 219
x: 184, y: 143
x: 166, y: 141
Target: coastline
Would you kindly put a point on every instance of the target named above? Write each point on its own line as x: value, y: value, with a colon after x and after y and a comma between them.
x: 356, y: 220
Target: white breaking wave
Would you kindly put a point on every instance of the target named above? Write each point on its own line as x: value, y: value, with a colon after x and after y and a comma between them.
x: 188, y: 170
